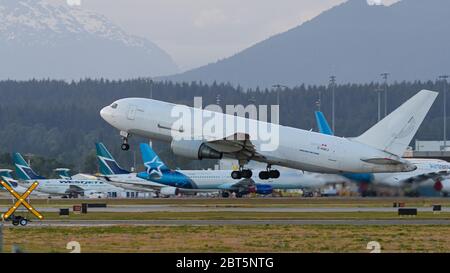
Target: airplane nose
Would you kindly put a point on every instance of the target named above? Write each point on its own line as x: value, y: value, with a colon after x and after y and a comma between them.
x: 104, y: 113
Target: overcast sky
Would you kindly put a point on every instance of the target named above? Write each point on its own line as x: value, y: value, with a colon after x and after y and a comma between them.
x: 197, y: 32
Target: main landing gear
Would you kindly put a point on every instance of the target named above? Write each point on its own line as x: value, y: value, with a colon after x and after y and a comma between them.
x: 269, y: 173
x: 242, y: 173
x: 125, y: 146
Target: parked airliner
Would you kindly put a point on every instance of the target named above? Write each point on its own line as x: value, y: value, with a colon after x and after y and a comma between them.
x: 62, y: 187
x: 197, y: 180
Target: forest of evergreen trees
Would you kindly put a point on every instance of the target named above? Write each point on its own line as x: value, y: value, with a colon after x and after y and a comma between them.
x: 58, y: 122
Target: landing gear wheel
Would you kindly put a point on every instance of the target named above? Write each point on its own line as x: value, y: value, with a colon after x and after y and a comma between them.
x: 274, y: 174
x: 263, y: 175
x: 247, y: 174
x: 15, y: 222
x: 225, y: 194
x: 125, y: 147
x: 236, y: 175
x: 23, y: 222
x: 238, y: 195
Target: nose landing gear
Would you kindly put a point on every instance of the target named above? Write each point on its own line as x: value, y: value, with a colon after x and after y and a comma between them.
x: 125, y: 146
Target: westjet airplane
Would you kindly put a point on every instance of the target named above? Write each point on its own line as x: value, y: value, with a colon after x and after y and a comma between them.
x: 432, y: 173
x: 63, y: 173
x: 220, y: 180
x: 378, y: 150
x: 5, y: 175
x: 63, y: 187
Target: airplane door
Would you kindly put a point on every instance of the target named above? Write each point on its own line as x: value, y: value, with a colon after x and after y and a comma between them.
x: 131, y: 112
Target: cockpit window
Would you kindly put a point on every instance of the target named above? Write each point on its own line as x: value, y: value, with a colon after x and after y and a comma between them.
x: 114, y: 105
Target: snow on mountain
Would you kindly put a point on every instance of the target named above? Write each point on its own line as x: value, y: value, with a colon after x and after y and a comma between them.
x: 34, y: 32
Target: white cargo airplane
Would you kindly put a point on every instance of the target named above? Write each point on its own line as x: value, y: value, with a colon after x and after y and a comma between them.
x: 379, y: 149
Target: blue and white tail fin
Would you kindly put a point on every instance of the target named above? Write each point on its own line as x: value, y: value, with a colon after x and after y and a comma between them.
x: 322, y: 124
x: 63, y: 173
x: 23, y: 170
x: 152, y: 162
x: 108, y: 165
x: 6, y: 174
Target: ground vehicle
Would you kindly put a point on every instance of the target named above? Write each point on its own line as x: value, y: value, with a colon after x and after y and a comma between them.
x: 17, y: 220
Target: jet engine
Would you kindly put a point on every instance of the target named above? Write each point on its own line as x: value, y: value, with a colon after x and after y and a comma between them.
x: 442, y: 186
x: 169, y: 191
x: 194, y: 149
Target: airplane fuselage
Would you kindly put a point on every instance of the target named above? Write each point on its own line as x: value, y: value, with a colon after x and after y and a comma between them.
x: 295, y: 148
x: 221, y: 180
x: 63, y: 186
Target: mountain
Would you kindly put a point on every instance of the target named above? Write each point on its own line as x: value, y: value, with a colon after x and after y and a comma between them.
x: 354, y: 40
x: 43, y: 40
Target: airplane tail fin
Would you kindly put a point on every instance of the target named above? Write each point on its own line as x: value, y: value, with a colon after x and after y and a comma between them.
x: 63, y: 173
x: 322, y: 124
x: 394, y: 133
x: 151, y: 160
x: 6, y: 174
x: 23, y: 170
x: 108, y: 165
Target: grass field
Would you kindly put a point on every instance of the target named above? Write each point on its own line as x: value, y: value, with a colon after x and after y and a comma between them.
x: 249, y: 202
x: 231, y: 215
x: 261, y: 238
x: 230, y: 238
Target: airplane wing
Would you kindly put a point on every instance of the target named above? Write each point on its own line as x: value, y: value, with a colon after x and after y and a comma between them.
x: 148, y: 186
x: 75, y: 189
x: 132, y: 185
x: 426, y: 176
x: 241, y: 185
x: 237, y: 145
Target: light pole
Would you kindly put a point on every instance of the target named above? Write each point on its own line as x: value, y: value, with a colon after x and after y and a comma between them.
x: 379, y: 90
x: 444, y: 79
x: 385, y: 78
x: 278, y: 87
x: 29, y: 156
x: 218, y: 100
x: 151, y: 89
x: 333, y: 87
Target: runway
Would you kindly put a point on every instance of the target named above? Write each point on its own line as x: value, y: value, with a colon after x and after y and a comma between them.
x: 176, y: 208
x: 93, y: 223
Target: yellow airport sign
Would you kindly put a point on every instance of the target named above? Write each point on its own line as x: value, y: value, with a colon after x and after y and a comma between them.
x: 21, y: 200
